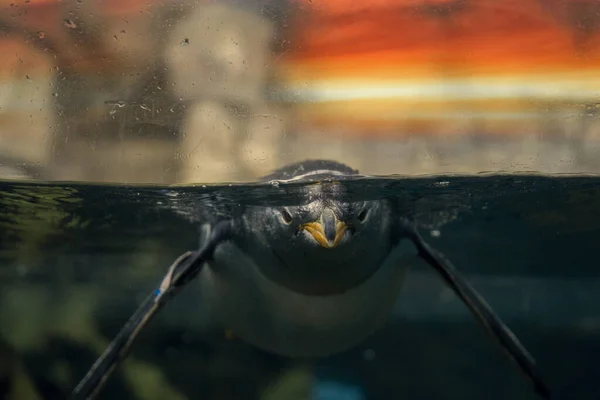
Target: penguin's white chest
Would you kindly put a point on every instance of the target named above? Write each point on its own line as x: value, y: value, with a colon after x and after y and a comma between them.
x: 288, y: 323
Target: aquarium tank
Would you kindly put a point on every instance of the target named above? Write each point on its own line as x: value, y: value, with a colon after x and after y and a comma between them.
x: 130, y: 129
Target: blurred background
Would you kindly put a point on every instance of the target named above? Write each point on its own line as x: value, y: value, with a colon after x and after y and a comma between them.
x: 182, y: 91
x: 193, y: 91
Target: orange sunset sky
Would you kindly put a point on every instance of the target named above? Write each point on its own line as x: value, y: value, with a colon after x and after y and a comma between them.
x: 388, y: 63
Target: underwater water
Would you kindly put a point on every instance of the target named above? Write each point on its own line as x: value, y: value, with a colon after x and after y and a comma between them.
x: 76, y: 260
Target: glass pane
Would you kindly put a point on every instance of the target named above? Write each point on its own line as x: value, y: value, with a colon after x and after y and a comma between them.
x: 126, y: 124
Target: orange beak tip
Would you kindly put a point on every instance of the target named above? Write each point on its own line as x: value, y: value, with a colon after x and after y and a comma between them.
x: 318, y: 233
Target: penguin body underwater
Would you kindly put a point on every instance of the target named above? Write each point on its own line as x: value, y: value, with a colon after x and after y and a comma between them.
x: 311, y: 279
x: 306, y: 279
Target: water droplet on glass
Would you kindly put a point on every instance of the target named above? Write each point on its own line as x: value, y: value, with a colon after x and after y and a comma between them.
x: 69, y: 24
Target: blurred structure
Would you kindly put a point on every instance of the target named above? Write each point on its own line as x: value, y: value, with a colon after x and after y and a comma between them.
x: 218, y: 60
x: 210, y: 91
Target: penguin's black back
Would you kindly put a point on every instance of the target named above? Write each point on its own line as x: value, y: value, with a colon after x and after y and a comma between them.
x: 310, y: 170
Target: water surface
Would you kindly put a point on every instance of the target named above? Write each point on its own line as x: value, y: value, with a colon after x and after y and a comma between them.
x: 76, y: 260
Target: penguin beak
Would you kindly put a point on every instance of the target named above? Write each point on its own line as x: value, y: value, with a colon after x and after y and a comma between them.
x: 328, y: 231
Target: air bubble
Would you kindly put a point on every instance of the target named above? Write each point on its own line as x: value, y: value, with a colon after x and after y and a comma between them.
x: 369, y: 354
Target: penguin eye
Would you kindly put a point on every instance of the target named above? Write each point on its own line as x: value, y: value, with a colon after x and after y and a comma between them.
x: 286, y: 216
x: 363, y: 215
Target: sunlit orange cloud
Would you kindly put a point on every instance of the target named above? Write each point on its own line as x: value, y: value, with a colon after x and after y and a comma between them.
x: 392, y: 37
x: 544, y: 51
